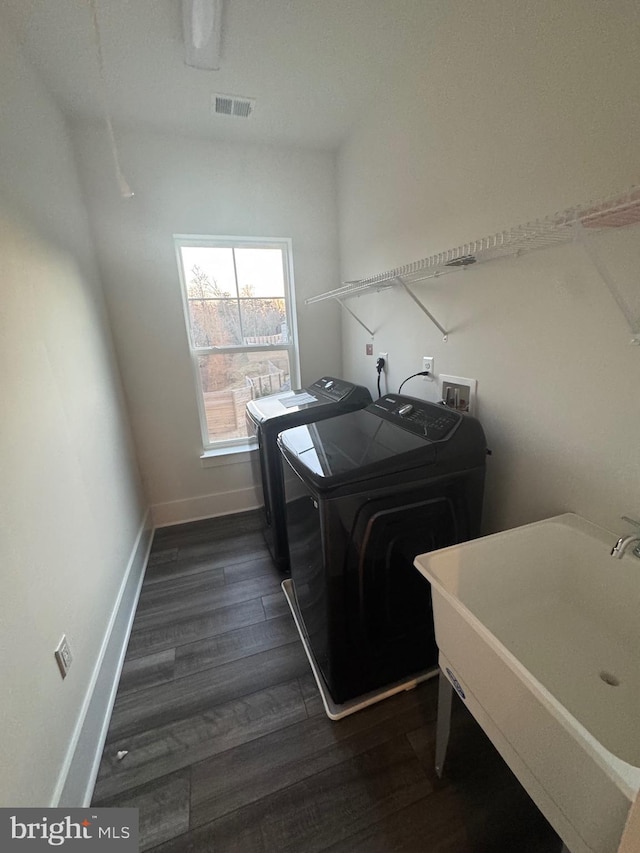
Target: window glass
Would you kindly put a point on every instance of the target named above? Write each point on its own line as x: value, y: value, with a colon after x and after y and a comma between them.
x: 238, y: 311
x: 260, y: 272
x: 210, y: 266
x: 228, y: 381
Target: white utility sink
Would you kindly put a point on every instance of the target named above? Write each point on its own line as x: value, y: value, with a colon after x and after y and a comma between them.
x: 539, y: 631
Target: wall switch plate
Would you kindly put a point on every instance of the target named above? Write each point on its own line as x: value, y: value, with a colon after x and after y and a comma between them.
x: 427, y: 364
x: 369, y: 349
x: 63, y: 656
x: 458, y: 393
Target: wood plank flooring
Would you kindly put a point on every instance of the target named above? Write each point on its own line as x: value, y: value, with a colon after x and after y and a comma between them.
x: 227, y: 746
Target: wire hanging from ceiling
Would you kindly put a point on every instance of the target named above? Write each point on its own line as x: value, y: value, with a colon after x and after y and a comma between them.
x: 123, y: 185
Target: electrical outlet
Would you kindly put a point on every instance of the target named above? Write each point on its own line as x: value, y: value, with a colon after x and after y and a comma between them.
x: 384, y: 355
x: 63, y: 656
x: 427, y: 364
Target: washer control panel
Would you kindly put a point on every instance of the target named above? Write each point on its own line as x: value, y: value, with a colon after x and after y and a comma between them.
x: 336, y: 389
x: 430, y: 420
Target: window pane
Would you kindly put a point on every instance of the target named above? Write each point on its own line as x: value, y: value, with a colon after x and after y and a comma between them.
x: 260, y: 272
x: 264, y: 321
x: 214, y: 322
x: 230, y: 381
x: 208, y: 271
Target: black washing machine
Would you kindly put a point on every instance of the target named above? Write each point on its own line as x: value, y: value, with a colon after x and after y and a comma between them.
x: 374, y: 489
x: 266, y: 417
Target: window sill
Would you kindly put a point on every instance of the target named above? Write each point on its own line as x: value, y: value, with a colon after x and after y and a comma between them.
x: 234, y: 454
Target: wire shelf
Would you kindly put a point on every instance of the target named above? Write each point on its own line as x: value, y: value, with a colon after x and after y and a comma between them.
x: 350, y: 288
x: 618, y: 211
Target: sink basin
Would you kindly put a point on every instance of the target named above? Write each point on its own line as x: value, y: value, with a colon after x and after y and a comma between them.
x: 538, y: 630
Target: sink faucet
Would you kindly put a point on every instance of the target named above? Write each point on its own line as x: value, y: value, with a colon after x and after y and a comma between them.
x: 619, y: 549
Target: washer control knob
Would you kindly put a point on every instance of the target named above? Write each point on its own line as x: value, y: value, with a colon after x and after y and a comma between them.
x: 405, y: 410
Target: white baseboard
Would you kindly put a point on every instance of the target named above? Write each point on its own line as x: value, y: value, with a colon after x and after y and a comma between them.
x: 77, y: 779
x: 204, y: 506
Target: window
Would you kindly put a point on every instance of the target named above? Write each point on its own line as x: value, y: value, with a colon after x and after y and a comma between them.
x: 240, y: 316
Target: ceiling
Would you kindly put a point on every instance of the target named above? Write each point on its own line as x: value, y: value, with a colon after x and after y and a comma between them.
x: 314, y: 66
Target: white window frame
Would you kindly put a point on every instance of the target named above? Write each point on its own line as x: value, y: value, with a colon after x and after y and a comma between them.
x: 236, y: 445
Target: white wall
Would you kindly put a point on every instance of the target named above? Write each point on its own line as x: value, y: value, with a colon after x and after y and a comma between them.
x: 497, y: 114
x: 70, y: 504
x: 187, y: 186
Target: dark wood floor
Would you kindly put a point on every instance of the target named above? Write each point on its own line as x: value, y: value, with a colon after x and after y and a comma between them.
x: 228, y: 747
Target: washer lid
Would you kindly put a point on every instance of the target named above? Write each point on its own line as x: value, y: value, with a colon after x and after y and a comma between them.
x: 283, y: 403
x: 327, y: 391
x: 394, y: 435
x: 346, y: 447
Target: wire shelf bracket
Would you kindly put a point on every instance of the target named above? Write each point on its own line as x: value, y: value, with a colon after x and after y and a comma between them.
x: 355, y: 316
x: 582, y: 238
x: 348, y: 289
x: 423, y: 308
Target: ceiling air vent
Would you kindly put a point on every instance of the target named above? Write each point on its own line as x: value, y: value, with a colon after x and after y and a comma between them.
x: 233, y: 105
